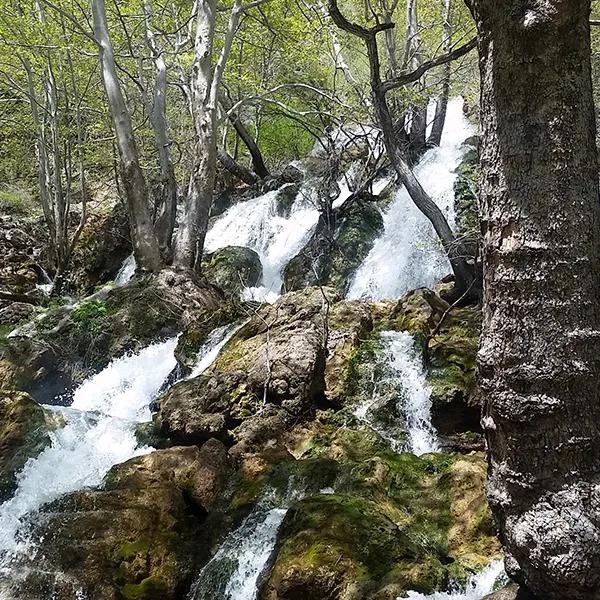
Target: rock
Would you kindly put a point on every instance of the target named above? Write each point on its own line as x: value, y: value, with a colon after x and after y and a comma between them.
x: 510, y: 592
x: 24, y: 428
x: 272, y: 369
x: 233, y: 268
x: 64, y: 347
x: 291, y: 174
x: 16, y: 312
x: 142, y: 536
x: 466, y: 187
x: 337, y: 247
x: 348, y: 323
x: 101, y: 249
x: 391, y: 526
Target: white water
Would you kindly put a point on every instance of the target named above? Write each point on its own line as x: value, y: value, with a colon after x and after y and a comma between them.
x: 479, y: 585
x: 127, y: 271
x: 256, y: 224
x: 408, y: 254
x: 233, y: 572
x: 403, y: 371
x: 213, y: 345
x: 99, y: 432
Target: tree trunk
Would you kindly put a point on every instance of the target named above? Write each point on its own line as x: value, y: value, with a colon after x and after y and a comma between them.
x: 145, y: 244
x: 539, y: 362
x: 167, y: 209
x: 439, y: 120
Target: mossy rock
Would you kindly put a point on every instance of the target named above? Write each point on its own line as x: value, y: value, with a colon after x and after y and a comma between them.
x: 233, y: 268
x: 338, y: 246
x: 392, y: 526
x: 466, y: 187
x: 24, y: 433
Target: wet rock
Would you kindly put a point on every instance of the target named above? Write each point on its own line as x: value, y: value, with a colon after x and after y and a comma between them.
x: 391, y: 526
x: 101, y: 249
x: 291, y: 174
x: 338, y: 246
x: 142, y: 536
x: 24, y: 428
x: 274, y: 365
x: 465, y: 197
x: 233, y: 268
x: 61, y: 349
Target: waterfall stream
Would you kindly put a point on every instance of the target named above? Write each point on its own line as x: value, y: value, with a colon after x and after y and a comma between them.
x: 479, y: 585
x: 408, y: 254
x: 98, y: 432
x: 276, y: 237
x: 402, y: 374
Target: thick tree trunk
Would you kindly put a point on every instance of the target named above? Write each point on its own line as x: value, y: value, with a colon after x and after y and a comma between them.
x: 539, y: 362
x: 441, y: 107
x: 145, y: 244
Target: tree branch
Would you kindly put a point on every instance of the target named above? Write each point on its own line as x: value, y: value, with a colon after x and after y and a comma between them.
x: 415, y: 75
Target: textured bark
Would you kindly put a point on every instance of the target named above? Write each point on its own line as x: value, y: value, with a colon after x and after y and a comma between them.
x: 145, y: 244
x: 539, y: 362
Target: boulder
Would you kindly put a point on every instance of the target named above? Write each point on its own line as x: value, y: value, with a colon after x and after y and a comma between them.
x: 24, y: 428
x: 391, y: 526
x: 66, y: 345
x: 102, y: 247
x: 271, y: 372
x: 233, y: 268
x: 337, y: 247
x: 291, y: 174
x: 142, y: 536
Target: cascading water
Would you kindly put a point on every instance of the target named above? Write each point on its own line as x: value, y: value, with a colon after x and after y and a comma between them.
x: 127, y: 271
x: 402, y: 371
x: 99, y: 432
x: 233, y: 572
x: 408, y: 254
x: 258, y: 224
x: 478, y: 586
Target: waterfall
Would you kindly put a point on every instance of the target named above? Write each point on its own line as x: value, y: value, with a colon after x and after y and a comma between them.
x: 258, y: 224
x: 233, y: 572
x: 99, y: 432
x: 126, y: 272
x: 213, y: 345
x: 408, y: 254
x: 478, y: 586
x: 404, y: 374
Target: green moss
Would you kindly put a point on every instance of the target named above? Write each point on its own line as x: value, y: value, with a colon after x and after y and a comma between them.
x: 130, y: 549
x: 89, y: 315
x: 151, y: 588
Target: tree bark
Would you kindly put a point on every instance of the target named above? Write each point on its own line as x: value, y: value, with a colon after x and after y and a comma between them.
x: 539, y: 361
x: 145, y: 244
x: 167, y: 209
x: 441, y: 107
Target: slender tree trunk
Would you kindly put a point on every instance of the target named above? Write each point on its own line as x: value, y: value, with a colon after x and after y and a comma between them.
x: 439, y: 120
x: 464, y: 273
x: 145, y: 244
x: 539, y: 362
x: 235, y: 168
x: 167, y: 209
x: 258, y: 162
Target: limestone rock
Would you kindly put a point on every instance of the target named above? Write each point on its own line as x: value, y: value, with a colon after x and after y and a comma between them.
x: 232, y: 268
x: 141, y: 536
x: 24, y: 427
